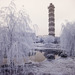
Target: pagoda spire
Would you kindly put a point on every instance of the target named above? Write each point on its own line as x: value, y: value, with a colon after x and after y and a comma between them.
x: 51, y: 20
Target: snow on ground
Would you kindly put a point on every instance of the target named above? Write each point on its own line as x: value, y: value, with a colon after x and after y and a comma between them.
x: 59, y: 66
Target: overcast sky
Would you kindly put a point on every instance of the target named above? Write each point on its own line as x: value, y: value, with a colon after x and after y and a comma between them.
x: 38, y: 12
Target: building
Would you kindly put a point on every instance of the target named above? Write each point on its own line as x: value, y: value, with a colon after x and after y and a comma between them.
x: 51, y: 20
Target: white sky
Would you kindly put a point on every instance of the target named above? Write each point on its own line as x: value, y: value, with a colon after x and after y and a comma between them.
x: 38, y: 12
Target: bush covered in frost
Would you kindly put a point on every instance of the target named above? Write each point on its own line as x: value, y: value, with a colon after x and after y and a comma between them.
x: 68, y: 38
x: 46, y: 39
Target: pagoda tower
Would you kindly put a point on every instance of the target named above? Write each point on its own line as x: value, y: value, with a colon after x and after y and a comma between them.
x: 51, y: 20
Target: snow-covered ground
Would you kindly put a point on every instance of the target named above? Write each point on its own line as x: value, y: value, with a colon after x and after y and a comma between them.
x: 59, y: 66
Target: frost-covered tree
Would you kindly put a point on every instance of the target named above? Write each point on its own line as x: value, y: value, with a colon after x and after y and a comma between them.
x: 68, y: 38
x: 16, y: 35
